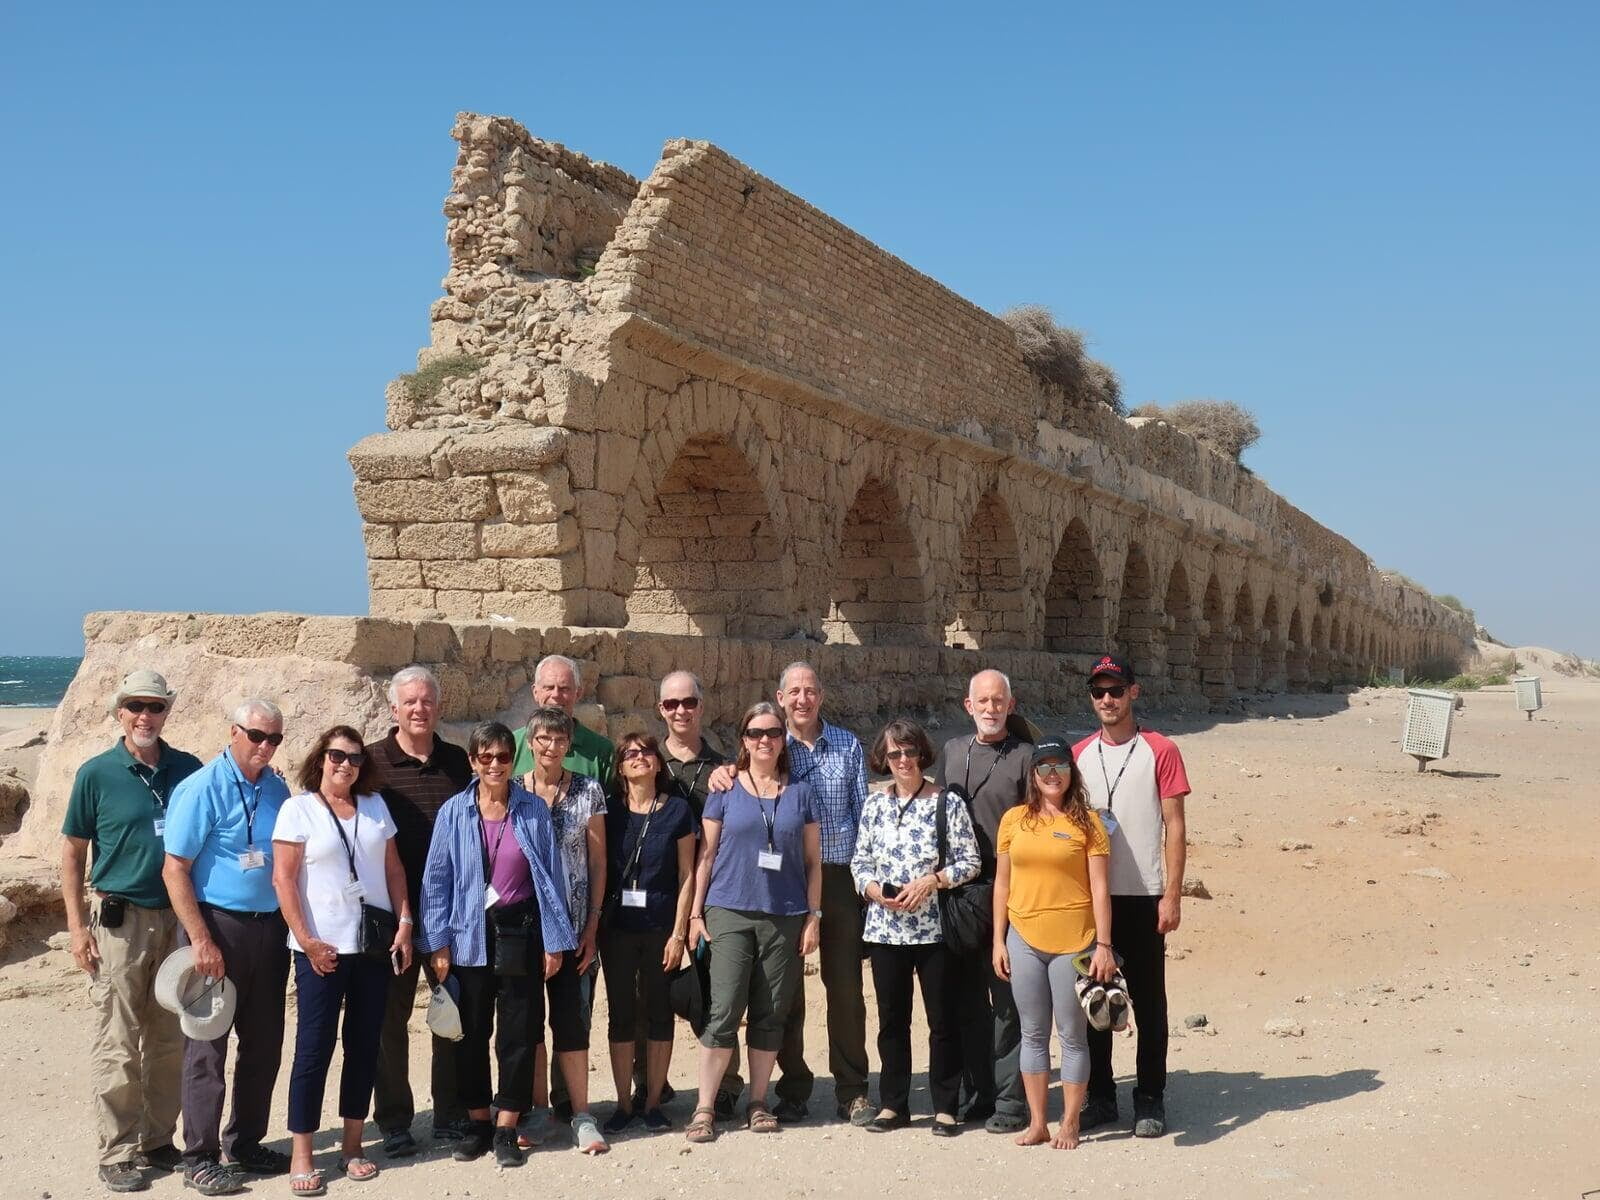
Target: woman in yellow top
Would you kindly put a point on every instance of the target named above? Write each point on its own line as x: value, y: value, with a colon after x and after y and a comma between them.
x: 1051, y: 902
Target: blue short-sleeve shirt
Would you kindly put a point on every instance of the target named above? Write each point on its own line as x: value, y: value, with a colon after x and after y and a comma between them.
x: 213, y: 817
x: 737, y: 878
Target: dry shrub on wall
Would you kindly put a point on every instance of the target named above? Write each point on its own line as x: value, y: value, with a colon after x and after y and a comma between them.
x: 1056, y: 355
x: 1220, y: 424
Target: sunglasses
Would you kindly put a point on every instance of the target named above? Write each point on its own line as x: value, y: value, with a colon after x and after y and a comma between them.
x: 688, y: 704
x: 1116, y: 693
x: 897, y: 755
x: 773, y: 732
x: 154, y: 707
x: 1052, y: 768
x: 489, y: 758
x: 257, y: 736
x: 633, y: 752
x: 339, y: 757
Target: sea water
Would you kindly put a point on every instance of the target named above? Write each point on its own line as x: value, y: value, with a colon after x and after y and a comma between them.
x: 34, y: 681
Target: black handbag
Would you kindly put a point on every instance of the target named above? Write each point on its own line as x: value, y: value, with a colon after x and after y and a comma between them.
x: 966, y: 913
x: 379, y: 927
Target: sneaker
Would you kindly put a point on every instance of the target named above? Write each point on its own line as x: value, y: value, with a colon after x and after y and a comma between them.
x: 259, y: 1160
x: 619, y: 1120
x: 586, y: 1135
x: 724, y: 1105
x: 474, y: 1142
x: 123, y: 1177
x: 451, y: 1131
x: 858, y: 1112
x: 506, y: 1151
x: 656, y: 1121
x: 790, y: 1112
x: 641, y: 1095
x: 536, y: 1128
x: 162, y: 1158
x: 1149, y: 1117
x: 1005, y: 1123
x: 399, y: 1144
x: 1095, y: 1113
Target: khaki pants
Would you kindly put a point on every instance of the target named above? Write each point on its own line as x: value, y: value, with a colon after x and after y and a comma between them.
x: 138, y: 1048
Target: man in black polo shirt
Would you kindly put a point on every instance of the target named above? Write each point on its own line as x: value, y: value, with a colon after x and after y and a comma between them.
x: 991, y: 764
x: 417, y: 772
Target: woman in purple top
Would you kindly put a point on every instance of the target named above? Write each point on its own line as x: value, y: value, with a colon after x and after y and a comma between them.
x: 758, y: 895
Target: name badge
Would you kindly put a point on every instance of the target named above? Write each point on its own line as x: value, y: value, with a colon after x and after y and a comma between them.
x: 1065, y: 837
x: 490, y: 896
x: 161, y: 826
x: 354, y: 890
x: 252, y: 859
x: 633, y: 897
x: 770, y: 860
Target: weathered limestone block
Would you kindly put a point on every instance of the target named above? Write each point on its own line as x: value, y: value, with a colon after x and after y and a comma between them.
x: 393, y: 573
x: 469, y: 498
x: 506, y: 448
x: 459, y: 602
x: 541, y: 574
x: 266, y: 635
x: 534, y: 497
x: 369, y: 642
x: 541, y: 608
x: 481, y: 575
x: 438, y: 539
x: 507, y: 540
x: 399, y: 602
x: 380, y: 541
x: 406, y: 454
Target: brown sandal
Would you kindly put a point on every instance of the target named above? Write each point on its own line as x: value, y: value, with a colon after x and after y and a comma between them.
x: 702, y: 1127
x: 758, y: 1118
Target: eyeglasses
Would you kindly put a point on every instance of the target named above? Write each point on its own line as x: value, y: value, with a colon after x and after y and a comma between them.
x: 897, y: 755
x: 1052, y: 769
x: 773, y: 732
x: 257, y: 736
x: 1116, y: 693
x: 339, y: 757
x: 154, y: 707
x: 688, y: 704
x: 549, y: 741
x: 633, y: 752
x: 489, y: 758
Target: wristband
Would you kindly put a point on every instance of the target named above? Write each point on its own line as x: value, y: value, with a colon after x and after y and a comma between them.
x: 407, y: 921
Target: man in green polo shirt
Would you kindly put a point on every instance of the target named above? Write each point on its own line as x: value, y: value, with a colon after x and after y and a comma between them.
x: 557, y: 683
x: 118, y: 810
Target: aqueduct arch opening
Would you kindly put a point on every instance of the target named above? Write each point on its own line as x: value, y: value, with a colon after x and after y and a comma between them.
x: 1216, y: 661
x: 1182, y: 639
x: 1297, y: 654
x: 989, y: 604
x: 1246, y: 648
x: 1138, y: 622
x: 1074, y: 599
x: 879, y: 595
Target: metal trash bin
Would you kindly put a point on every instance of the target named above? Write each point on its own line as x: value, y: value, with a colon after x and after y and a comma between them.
x: 1529, y: 699
x: 1427, y: 729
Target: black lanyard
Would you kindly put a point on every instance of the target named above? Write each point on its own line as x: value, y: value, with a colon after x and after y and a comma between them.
x: 1111, y: 784
x: 491, y: 857
x: 676, y: 776
x: 249, y: 813
x: 761, y: 803
x: 966, y: 774
x: 149, y: 782
x: 901, y: 809
x: 338, y: 826
x: 631, y: 871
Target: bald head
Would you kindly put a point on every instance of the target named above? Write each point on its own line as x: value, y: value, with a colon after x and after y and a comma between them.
x: 989, y: 702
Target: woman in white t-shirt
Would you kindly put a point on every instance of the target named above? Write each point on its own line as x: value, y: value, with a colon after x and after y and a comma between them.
x: 333, y: 852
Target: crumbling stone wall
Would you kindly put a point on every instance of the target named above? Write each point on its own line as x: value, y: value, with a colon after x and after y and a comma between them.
x: 702, y: 407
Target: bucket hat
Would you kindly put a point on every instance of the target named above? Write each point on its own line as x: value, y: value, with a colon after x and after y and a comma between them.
x: 444, y: 1013
x: 204, y: 1005
x: 143, y: 684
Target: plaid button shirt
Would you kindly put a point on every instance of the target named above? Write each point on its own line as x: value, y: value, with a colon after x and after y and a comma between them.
x: 836, y: 769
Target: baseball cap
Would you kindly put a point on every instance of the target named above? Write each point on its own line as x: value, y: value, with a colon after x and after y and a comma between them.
x: 1051, y: 746
x: 1116, y: 668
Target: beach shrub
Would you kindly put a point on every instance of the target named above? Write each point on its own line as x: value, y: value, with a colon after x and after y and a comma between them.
x: 1057, y: 356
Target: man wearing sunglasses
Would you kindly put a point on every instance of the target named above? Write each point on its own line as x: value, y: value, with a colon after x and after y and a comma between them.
x: 1137, y: 776
x: 118, y: 807
x: 417, y: 771
x: 219, y: 874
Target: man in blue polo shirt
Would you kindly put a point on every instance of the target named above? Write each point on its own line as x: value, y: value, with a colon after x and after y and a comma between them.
x: 117, y: 811
x: 219, y: 876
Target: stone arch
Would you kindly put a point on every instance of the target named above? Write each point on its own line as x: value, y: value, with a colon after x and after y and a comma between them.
x: 879, y: 591
x: 1137, y: 621
x: 1297, y: 656
x: 711, y: 555
x: 989, y: 608
x: 1182, y: 640
x: 1273, y: 652
x: 1246, y: 648
x: 1216, y: 674
x: 1321, y: 664
x: 1074, y: 599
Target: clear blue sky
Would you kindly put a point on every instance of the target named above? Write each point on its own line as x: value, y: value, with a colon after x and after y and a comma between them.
x: 1372, y: 224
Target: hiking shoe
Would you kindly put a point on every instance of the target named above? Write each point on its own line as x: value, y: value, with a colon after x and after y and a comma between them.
x: 399, y: 1144
x: 656, y: 1121
x: 1149, y: 1118
x: 506, y: 1151
x: 162, y: 1158
x: 259, y: 1160
x: 475, y: 1142
x: 858, y: 1112
x: 619, y: 1120
x: 1094, y: 1001
x: 1005, y: 1123
x: 1117, y: 1006
x: 123, y: 1177
x: 725, y: 1103
x: 1095, y: 1113
x: 451, y: 1131
x: 790, y: 1112
x: 213, y: 1178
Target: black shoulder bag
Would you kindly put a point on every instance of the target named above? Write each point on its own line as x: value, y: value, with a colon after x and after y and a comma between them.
x: 966, y: 913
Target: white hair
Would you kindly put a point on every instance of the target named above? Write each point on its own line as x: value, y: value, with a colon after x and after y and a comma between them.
x: 798, y: 664
x: 694, y: 682
x: 255, y: 706
x: 558, y: 660
x: 1004, y: 678
x: 413, y: 674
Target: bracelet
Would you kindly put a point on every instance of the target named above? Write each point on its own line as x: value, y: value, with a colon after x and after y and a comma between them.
x: 407, y: 921
x: 697, y: 916
x: 677, y: 937
x: 1107, y: 945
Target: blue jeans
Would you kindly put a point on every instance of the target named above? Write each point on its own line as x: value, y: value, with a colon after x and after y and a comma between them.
x: 361, y: 984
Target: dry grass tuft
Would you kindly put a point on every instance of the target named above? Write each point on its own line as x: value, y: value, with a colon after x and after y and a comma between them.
x: 1220, y: 424
x: 1056, y: 355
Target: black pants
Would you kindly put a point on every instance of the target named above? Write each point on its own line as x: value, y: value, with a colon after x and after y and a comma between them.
x: 393, y: 1104
x: 1144, y: 966
x: 358, y: 985
x: 840, y: 955
x: 513, y: 1007
x: 636, y: 986
x: 892, y: 971
x: 991, y: 1036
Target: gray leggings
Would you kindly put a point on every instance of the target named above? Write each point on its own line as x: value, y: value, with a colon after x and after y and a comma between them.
x: 1043, y: 983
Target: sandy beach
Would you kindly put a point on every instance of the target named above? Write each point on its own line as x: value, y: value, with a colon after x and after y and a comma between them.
x: 1428, y: 955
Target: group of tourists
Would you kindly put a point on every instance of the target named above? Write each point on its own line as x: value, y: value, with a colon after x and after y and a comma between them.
x: 1020, y: 882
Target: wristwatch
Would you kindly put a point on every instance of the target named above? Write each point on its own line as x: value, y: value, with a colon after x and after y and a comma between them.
x: 817, y: 913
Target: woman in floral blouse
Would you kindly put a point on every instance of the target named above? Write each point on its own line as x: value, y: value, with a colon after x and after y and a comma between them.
x: 897, y: 851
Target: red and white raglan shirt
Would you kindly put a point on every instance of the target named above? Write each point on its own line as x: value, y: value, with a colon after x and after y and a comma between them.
x: 1129, y: 781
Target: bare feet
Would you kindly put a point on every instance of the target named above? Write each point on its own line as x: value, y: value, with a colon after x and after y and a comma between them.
x: 1066, y: 1137
x: 1034, y: 1135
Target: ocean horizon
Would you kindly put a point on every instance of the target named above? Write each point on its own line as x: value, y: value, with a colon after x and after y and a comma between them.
x: 35, y: 680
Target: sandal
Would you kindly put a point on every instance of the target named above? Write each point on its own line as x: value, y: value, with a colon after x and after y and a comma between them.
x: 702, y: 1127
x: 758, y: 1118
x: 358, y: 1169
x: 214, y: 1179
x: 314, y: 1178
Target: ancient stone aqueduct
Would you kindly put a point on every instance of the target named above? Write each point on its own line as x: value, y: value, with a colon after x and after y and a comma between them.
x: 701, y: 406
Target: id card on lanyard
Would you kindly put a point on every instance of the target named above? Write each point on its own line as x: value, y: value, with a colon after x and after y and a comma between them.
x: 770, y: 859
x: 352, y: 889
x: 253, y: 858
x: 636, y: 896
x: 160, y: 819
